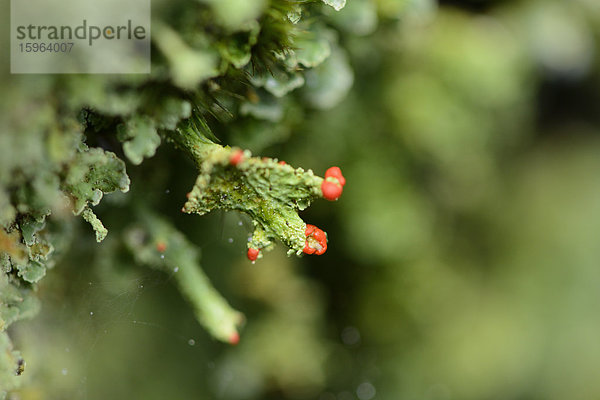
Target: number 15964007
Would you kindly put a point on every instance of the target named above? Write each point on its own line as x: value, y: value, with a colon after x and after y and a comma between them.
x: 32, y: 47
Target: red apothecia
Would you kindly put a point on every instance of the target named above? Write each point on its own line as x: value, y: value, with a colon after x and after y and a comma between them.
x: 336, y: 172
x: 333, y: 184
x: 316, y: 240
x: 253, y: 254
x: 234, y: 338
x: 236, y: 157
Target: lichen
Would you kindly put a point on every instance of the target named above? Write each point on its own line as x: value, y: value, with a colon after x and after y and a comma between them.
x: 269, y: 191
x: 66, y: 140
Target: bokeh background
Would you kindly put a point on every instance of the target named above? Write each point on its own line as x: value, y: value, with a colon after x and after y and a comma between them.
x: 463, y: 260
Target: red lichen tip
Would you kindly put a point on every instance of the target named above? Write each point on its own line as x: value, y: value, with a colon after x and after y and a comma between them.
x: 161, y: 246
x: 253, y: 254
x: 316, y: 240
x: 234, y: 338
x: 236, y: 157
x: 281, y: 162
x: 336, y: 172
x: 331, y: 190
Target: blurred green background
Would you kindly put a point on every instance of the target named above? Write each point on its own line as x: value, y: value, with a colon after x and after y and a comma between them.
x: 464, y: 255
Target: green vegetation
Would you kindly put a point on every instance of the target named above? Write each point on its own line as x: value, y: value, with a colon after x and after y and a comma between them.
x: 462, y: 259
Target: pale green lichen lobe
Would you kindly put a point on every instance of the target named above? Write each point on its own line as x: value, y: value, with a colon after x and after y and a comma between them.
x: 336, y: 4
x: 270, y: 192
x: 155, y: 242
x: 96, y: 224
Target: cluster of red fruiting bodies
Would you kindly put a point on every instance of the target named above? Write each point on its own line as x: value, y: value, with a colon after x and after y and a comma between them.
x: 333, y: 184
x: 316, y: 243
x: 316, y: 240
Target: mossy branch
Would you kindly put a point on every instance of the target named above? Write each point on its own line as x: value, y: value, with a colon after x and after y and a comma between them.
x: 156, y: 243
x: 270, y: 192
